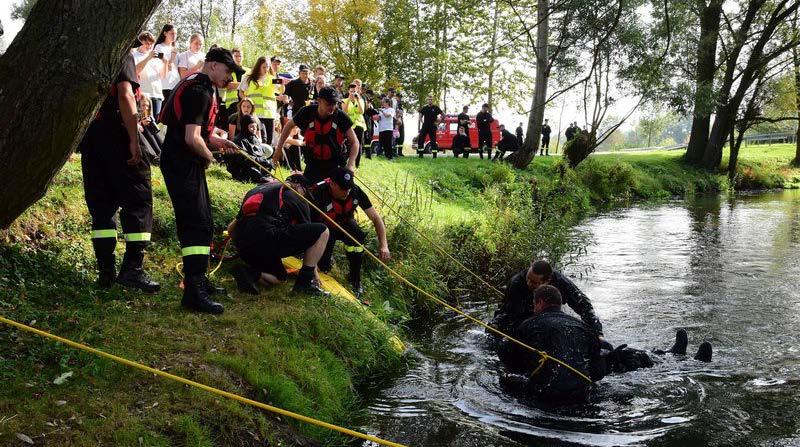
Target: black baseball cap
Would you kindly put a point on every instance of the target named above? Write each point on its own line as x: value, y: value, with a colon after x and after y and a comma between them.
x: 303, y: 67
x: 342, y: 177
x: 329, y: 94
x: 221, y: 55
x: 275, y: 58
x: 338, y: 76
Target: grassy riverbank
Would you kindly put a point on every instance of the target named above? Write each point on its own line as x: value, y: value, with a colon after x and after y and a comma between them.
x: 306, y: 355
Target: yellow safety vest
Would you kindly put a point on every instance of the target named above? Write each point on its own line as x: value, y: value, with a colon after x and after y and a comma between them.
x: 263, y: 96
x: 355, y: 116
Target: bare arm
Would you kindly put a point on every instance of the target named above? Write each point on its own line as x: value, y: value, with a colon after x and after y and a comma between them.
x: 354, y: 148
x: 127, y: 108
x: 287, y: 129
x: 380, y: 230
x: 143, y: 63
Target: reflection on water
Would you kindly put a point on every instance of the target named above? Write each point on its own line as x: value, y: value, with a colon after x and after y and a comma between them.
x: 727, y: 270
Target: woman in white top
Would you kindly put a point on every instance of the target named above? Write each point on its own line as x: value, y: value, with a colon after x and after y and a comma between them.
x: 150, y: 71
x: 192, y: 60
x: 165, y: 44
x: 386, y: 128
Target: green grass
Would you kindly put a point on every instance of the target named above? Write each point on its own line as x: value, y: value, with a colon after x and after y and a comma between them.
x: 307, y: 355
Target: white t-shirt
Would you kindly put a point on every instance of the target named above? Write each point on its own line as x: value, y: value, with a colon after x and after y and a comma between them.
x: 172, y: 75
x: 187, y: 59
x: 150, y: 77
x: 386, y: 122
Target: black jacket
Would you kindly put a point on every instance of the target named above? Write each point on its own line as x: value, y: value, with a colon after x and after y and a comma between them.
x: 563, y: 337
x: 518, y: 303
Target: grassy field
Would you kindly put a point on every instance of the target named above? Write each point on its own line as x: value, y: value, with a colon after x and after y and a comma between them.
x: 305, y: 354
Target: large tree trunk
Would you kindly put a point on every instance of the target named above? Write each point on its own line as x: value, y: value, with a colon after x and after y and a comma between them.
x: 536, y: 117
x: 52, y: 79
x: 493, y: 57
x: 704, y: 79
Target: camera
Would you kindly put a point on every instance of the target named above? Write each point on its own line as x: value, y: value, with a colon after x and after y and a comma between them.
x: 160, y: 55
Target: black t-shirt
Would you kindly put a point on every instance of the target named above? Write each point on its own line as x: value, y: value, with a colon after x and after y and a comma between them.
x: 463, y: 121
x: 484, y: 121
x: 298, y: 91
x: 275, y: 203
x: 461, y: 142
x: 193, y: 101
x: 107, y: 128
x: 308, y: 114
x: 335, y: 208
x: 545, y: 130
x: 429, y: 114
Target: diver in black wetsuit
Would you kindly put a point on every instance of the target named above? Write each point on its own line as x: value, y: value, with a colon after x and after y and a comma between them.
x: 575, y: 343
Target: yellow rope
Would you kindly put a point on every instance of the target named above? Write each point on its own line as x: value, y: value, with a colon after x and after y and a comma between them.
x: 429, y: 240
x: 201, y: 386
x: 430, y: 296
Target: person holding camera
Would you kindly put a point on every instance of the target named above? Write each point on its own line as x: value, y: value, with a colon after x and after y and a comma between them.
x: 150, y: 70
x: 165, y: 45
x: 355, y: 106
x: 191, y: 60
x: 265, y: 89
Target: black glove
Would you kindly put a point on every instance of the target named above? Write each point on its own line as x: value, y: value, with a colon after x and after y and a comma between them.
x: 604, y: 344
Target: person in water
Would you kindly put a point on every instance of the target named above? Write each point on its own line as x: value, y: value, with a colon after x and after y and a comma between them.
x: 518, y: 303
x: 576, y: 343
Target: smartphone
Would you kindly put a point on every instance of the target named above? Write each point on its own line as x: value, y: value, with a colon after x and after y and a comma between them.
x: 277, y: 81
x: 160, y: 55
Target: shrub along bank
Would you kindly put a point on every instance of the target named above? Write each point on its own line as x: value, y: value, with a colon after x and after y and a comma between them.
x: 309, y: 355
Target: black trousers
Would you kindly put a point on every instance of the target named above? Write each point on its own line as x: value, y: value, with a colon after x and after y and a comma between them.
x: 318, y: 170
x: 385, y: 138
x: 269, y: 124
x: 429, y: 132
x: 485, y: 141
x: 262, y: 244
x: 185, y: 178
x: 293, y: 155
x: 355, y: 253
x: 398, y: 144
x: 110, y: 184
x: 545, y: 145
x: 360, y: 138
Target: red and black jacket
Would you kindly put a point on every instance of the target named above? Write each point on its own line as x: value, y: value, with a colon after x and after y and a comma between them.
x: 341, y: 211
x: 323, y: 140
x: 173, y: 113
x: 274, y: 203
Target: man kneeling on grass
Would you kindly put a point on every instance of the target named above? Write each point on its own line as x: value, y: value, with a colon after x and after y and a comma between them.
x: 275, y: 222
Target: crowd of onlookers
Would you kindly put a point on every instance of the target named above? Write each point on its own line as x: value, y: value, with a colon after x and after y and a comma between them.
x: 257, y: 104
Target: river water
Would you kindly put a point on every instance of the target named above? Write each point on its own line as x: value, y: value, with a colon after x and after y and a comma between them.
x: 724, y: 268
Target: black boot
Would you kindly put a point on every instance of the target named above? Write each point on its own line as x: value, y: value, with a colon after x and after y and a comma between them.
x: 106, y: 261
x: 305, y: 283
x: 212, y: 289
x: 354, y: 275
x: 131, y: 275
x: 704, y: 352
x: 681, y: 341
x: 246, y: 279
x: 195, y: 296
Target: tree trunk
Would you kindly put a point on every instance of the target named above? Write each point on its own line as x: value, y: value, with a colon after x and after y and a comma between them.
x: 493, y: 57
x: 723, y: 124
x: 734, y: 158
x: 47, y: 110
x: 536, y: 117
x: 704, y: 80
x: 796, y: 60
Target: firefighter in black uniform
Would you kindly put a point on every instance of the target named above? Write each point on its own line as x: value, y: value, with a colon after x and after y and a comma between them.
x: 190, y: 114
x: 275, y: 222
x: 338, y: 197
x: 518, y: 303
x: 508, y: 143
x: 484, y: 120
x: 545, y: 147
x: 429, y: 117
x: 324, y: 127
x: 117, y: 176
